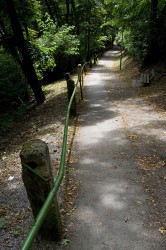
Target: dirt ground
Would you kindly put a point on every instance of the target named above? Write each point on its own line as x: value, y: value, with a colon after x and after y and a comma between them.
x: 144, y: 112
x: 45, y: 122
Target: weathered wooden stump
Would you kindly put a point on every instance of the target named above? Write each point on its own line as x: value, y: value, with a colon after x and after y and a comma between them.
x: 38, y: 180
x: 70, y: 89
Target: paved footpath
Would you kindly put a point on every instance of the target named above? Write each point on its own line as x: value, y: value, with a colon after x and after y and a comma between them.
x: 112, y: 212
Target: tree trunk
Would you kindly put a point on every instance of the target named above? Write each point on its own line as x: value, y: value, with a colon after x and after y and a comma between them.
x: 162, y: 14
x: 49, y: 10
x: 162, y: 35
x: 57, y: 13
x: 75, y: 17
x: 67, y: 11
x: 27, y: 65
x: 153, y: 41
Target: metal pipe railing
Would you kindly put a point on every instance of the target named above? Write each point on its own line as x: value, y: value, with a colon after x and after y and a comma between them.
x: 48, y: 202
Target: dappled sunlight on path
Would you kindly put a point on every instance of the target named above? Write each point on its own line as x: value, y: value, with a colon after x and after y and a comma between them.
x: 112, y: 210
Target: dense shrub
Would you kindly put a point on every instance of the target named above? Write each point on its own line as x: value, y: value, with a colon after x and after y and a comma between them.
x: 13, y: 86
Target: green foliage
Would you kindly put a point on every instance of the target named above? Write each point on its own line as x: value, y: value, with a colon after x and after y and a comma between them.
x: 12, y: 81
x: 17, y: 231
x: 6, y: 122
x: 13, y: 90
x: 3, y: 223
x: 58, y: 34
x: 65, y: 242
x: 100, y: 42
x: 143, y: 26
x: 9, y: 117
x: 50, y: 43
x: 136, y: 40
x: 93, y: 36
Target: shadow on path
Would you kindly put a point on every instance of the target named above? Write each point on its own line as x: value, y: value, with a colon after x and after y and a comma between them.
x: 112, y: 210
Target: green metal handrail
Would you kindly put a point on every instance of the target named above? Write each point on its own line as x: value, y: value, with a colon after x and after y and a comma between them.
x: 48, y: 202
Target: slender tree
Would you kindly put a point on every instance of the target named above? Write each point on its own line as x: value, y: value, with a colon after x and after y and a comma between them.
x: 50, y: 10
x: 26, y: 62
x: 67, y: 11
x: 76, y: 18
x: 153, y: 43
x: 157, y: 37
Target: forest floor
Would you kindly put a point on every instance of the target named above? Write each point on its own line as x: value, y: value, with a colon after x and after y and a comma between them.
x: 46, y: 122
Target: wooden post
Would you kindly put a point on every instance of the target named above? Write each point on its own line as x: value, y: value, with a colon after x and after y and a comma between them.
x: 79, y: 72
x: 95, y: 59
x: 70, y: 88
x: 121, y: 53
x: 90, y: 64
x: 80, y: 78
x: 38, y: 180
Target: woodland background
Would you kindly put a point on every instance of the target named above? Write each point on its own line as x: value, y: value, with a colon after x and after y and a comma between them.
x: 40, y: 40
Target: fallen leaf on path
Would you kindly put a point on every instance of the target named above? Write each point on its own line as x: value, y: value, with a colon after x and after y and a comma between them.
x: 65, y: 242
x: 134, y: 137
x: 162, y: 230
